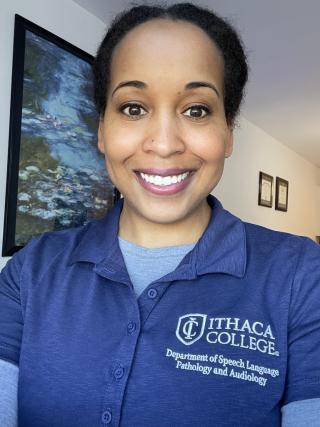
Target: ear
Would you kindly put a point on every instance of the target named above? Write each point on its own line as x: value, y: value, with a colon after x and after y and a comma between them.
x: 101, y: 137
x: 229, y: 143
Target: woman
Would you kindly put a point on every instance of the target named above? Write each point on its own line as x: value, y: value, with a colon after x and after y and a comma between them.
x: 225, y: 329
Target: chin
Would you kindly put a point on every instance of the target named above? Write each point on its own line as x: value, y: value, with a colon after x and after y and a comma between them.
x: 164, y: 217
x: 181, y: 211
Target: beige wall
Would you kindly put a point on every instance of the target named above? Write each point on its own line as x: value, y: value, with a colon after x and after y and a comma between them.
x: 256, y: 151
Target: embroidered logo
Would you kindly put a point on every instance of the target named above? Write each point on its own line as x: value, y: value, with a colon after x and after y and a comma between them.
x: 190, y: 328
x: 219, y: 333
x: 227, y: 331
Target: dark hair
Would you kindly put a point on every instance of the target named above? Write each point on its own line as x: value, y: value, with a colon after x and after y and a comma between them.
x: 218, y: 29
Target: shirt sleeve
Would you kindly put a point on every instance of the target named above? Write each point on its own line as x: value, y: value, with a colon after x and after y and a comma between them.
x: 301, y: 413
x: 9, y: 374
x: 303, y: 366
x: 11, y: 317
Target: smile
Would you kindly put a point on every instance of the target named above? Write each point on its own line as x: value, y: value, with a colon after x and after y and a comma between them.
x: 164, y: 180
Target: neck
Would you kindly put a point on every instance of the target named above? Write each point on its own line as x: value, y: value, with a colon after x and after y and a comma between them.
x: 140, y: 231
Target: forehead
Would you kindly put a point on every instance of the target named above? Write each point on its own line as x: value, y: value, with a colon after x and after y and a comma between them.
x: 167, y: 49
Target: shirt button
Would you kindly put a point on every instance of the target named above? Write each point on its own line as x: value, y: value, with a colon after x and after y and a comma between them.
x: 131, y: 327
x: 107, y: 417
x: 152, y: 293
x: 118, y: 373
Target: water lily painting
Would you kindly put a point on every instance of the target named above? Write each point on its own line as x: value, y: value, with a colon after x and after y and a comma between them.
x: 56, y: 176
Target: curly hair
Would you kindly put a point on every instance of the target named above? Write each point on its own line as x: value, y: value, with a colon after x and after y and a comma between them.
x: 219, y: 30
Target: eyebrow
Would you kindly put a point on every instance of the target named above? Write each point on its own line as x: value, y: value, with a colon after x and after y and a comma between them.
x: 141, y: 85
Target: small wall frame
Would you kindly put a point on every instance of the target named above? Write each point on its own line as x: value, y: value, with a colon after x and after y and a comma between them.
x: 265, y: 190
x: 282, y: 193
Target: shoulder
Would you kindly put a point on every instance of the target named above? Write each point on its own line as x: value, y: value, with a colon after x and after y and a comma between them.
x: 295, y: 259
x: 49, y: 244
x: 47, y: 250
x: 259, y: 238
x: 58, y: 250
x: 267, y: 241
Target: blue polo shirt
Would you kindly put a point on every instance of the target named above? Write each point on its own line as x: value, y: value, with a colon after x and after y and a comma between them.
x: 227, y: 338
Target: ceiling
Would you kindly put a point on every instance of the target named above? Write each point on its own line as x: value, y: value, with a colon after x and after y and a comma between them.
x: 282, y: 41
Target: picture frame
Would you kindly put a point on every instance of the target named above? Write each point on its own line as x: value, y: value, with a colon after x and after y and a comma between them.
x: 265, y: 197
x: 282, y: 194
x: 56, y: 177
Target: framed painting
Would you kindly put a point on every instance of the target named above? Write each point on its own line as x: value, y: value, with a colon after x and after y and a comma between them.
x: 56, y: 176
x: 265, y: 190
x: 282, y: 193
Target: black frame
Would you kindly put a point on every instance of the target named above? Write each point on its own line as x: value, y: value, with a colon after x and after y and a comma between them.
x: 21, y: 26
x: 263, y: 202
x: 278, y: 205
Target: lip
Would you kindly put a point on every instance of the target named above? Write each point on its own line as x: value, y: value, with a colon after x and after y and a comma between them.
x: 165, y: 190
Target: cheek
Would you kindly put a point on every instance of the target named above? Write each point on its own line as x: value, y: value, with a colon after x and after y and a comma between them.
x: 119, y: 144
x: 209, y: 143
x: 210, y: 149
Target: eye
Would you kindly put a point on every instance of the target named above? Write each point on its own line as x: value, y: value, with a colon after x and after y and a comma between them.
x: 196, y: 111
x: 133, y: 110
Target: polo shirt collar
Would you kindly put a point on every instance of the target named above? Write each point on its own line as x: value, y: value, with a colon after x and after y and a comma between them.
x: 100, y: 238
x: 221, y: 248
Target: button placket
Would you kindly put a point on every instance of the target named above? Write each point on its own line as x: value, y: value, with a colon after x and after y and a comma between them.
x: 149, y: 299
x: 118, y: 372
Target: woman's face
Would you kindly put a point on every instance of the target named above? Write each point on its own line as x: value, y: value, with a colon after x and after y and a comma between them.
x: 164, y: 136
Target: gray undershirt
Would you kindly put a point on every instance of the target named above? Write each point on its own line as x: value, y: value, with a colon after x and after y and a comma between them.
x: 9, y: 374
x: 145, y: 265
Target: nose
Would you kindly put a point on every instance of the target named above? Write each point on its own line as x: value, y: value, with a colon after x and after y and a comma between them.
x: 164, y: 137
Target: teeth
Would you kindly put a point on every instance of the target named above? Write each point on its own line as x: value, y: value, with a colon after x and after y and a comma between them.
x: 164, y: 180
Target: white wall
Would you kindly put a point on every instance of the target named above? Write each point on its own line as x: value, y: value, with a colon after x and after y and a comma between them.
x: 63, y: 18
x: 256, y: 151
